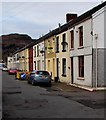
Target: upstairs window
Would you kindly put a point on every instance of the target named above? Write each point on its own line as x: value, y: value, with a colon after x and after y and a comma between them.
x: 72, y: 38
x: 80, y: 36
x: 35, y: 51
x: 17, y: 56
x: 57, y: 44
x: 64, y: 43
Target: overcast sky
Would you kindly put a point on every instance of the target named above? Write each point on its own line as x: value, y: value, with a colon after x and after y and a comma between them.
x: 37, y: 18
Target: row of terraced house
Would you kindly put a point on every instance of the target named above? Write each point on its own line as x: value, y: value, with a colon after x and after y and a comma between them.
x: 73, y: 53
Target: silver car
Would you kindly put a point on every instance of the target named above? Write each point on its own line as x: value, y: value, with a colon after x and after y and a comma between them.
x: 39, y: 76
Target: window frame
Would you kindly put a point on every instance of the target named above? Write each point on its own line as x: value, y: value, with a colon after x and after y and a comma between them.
x: 63, y: 41
x: 57, y: 44
x: 64, y: 67
x: 81, y: 66
x: 72, y: 39
x: 35, y: 51
x: 81, y: 36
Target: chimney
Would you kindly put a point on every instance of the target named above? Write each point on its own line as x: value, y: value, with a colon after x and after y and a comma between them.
x: 70, y: 17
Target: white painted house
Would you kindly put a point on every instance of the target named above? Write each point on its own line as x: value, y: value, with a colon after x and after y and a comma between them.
x: 87, y: 36
x: 38, y: 56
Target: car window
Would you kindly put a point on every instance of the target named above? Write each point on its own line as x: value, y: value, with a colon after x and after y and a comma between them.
x: 32, y: 74
x: 43, y: 73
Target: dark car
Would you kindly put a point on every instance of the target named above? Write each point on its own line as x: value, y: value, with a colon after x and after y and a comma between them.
x: 12, y: 71
x: 39, y: 76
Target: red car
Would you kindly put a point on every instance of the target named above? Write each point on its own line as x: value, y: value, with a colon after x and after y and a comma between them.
x: 12, y: 71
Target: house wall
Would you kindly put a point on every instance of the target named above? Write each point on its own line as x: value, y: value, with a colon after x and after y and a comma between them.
x: 26, y: 60
x: 50, y: 56
x: 99, y: 50
x: 86, y: 51
x: 61, y: 55
x: 38, y: 60
x: 16, y: 62
x: 22, y: 60
x: 30, y: 52
x: 10, y: 62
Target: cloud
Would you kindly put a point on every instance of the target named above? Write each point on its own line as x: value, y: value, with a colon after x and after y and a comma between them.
x: 37, y: 18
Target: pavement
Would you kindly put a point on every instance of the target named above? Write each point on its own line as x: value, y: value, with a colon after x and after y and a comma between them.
x: 67, y: 87
x: 94, y: 99
x: 59, y: 86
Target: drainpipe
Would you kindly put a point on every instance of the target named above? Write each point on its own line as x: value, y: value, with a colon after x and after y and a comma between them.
x: 96, y: 37
x: 96, y: 57
x: 92, y: 46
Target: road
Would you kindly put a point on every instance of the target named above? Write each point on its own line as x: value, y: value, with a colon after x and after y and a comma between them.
x: 22, y: 100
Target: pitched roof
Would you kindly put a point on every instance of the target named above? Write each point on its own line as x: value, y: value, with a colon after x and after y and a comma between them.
x: 65, y: 27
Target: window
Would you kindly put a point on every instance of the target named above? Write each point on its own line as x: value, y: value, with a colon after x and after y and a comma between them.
x: 72, y: 39
x: 35, y: 51
x: 35, y: 64
x: 38, y: 64
x: 43, y: 64
x: 57, y: 44
x: 64, y: 67
x: 81, y: 66
x: 81, y: 36
x: 17, y: 56
x: 64, y: 42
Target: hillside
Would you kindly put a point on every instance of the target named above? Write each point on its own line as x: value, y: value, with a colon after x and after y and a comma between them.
x: 13, y: 42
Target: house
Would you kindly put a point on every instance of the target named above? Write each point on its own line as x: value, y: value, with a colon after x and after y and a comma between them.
x: 50, y: 55
x: 38, y: 55
x: 10, y: 62
x: 87, y: 36
x: 62, y: 51
x: 73, y: 53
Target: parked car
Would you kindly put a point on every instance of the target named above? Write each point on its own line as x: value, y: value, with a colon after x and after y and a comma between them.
x: 12, y: 71
x: 5, y: 68
x: 39, y: 76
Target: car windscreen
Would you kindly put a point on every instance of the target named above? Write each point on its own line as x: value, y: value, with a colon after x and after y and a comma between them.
x: 42, y: 73
x: 32, y: 74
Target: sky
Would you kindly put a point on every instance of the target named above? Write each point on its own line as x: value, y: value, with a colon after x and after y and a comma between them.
x: 37, y: 18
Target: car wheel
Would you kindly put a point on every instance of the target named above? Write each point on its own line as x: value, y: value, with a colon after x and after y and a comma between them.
x: 49, y: 84
x: 28, y: 82
x: 33, y: 82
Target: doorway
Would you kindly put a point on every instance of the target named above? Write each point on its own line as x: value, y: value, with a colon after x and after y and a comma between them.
x: 72, y: 70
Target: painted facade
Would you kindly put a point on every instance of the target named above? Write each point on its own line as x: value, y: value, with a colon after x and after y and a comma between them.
x: 62, y: 57
x: 30, y: 53
x: 50, y: 56
x: 99, y: 51
x: 73, y: 53
x: 81, y: 71
x: 22, y: 60
x: 10, y: 62
x: 38, y: 56
x: 87, y: 51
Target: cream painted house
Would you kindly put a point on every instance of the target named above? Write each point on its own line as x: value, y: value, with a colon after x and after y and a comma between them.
x: 10, y: 62
x: 50, y: 55
x: 62, y: 57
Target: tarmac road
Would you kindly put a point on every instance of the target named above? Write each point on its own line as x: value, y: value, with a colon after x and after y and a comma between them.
x: 22, y: 100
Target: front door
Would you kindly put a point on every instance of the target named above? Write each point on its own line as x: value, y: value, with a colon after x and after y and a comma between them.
x: 57, y: 65
x: 71, y: 70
